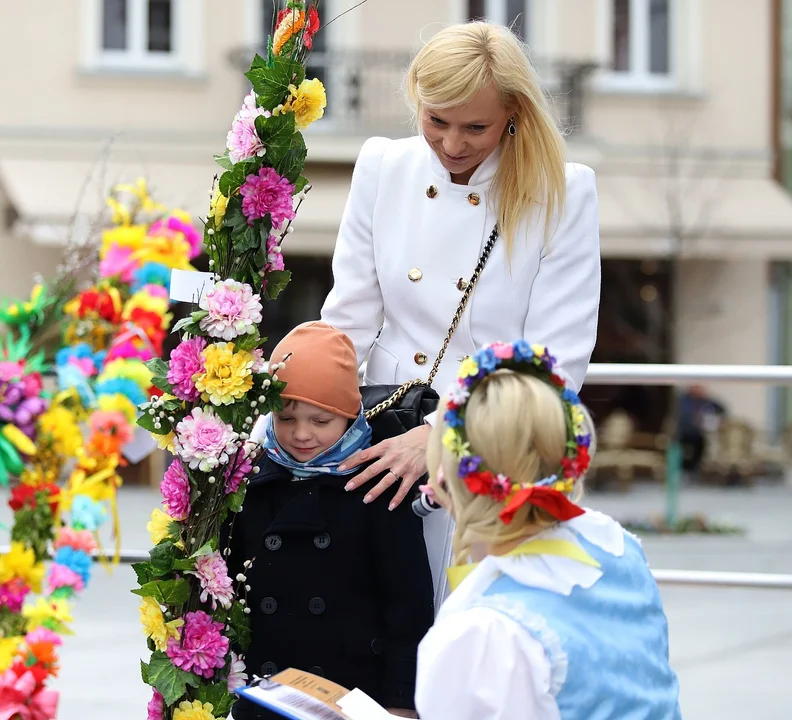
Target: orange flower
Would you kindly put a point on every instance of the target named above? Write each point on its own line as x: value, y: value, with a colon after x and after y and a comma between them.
x: 290, y: 23
x: 45, y: 655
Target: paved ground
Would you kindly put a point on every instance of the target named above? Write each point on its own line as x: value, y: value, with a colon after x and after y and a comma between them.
x: 731, y: 648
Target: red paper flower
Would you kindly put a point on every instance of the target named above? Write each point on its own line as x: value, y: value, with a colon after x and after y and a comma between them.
x: 479, y: 483
x: 101, y: 303
x: 312, y: 28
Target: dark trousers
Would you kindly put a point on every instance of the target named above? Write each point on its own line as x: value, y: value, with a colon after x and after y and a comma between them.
x: 693, y: 444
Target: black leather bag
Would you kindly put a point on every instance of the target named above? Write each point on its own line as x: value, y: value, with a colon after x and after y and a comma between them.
x: 394, y: 409
x: 418, y: 402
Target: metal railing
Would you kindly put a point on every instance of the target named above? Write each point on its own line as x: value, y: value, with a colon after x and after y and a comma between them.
x: 364, y: 89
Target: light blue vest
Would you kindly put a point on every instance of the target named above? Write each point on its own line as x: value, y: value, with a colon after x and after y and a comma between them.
x: 607, y: 646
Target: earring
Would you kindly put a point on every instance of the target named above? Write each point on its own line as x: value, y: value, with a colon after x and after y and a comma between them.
x: 512, y: 126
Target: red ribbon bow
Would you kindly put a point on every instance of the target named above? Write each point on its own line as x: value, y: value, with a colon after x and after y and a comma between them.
x: 554, y: 502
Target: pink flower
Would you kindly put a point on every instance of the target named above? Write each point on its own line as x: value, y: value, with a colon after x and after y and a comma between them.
x: 233, y: 310
x: 156, y: 291
x: 185, y: 362
x: 128, y: 350
x: 175, y: 487
x: 156, y: 707
x: 237, y: 677
x: 86, y: 365
x: 191, y: 235
x: 503, y: 351
x: 12, y: 595
x: 240, y: 471
x: 203, y: 647
x: 118, y: 261
x: 212, y: 572
x: 242, y: 140
x: 43, y: 635
x: 204, y: 441
x: 32, y: 384
x: 274, y: 255
x: 267, y: 193
x: 10, y: 370
x: 61, y: 576
x: 501, y: 487
x: 77, y: 539
x: 260, y: 365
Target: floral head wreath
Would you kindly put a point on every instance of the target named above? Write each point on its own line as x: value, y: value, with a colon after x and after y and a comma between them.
x: 549, y: 493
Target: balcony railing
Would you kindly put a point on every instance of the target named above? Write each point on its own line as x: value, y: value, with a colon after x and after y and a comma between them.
x: 364, y: 90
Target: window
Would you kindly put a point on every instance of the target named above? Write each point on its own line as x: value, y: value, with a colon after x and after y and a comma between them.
x: 512, y: 13
x: 143, y: 34
x: 641, y: 40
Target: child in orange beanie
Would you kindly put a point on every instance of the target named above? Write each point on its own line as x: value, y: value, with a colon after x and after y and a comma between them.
x: 338, y: 588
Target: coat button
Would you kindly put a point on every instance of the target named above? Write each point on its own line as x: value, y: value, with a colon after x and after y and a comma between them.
x: 420, y: 358
x: 273, y: 542
x: 474, y: 198
x: 316, y: 606
x: 415, y: 275
x: 268, y: 669
x: 322, y: 540
x: 431, y: 192
x: 462, y: 284
x: 377, y: 646
x: 316, y: 670
x: 269, y: 605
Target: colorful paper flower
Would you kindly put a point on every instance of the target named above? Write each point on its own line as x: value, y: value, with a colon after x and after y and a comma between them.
x: 233, y: 310
x: 118, y: 262
x: 307, y: 101
x: 122, y: 386
x: 61, y: 576
x: 212, y: 573
x: 237, y: 675
x: 76, y: 539
x: 195, y: 710
x: 156, y: 707
x: 175, y: 488
x: 20, y: 563
x: 227, y: 375
x: 53, y: 614
x: 204, y: 441
x: 186, y: 361
x: 217, y: 209
x: 267, y: 193
x: 243, y: 141
x: 236, y: 472
x: 150, y: 273
x: 87, y: 514
x: 76, y: 560
x: 154, y: 625
x: 202, y: 648
x: 13, y: 594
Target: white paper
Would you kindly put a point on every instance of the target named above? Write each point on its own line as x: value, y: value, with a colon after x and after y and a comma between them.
x: 259, y: 432
x: 360, y: 706
x: 291, y: 703
x: 140, y: 446
x: 189, y: 285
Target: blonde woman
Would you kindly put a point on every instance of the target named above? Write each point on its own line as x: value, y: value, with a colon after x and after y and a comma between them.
x: 422, y: 210
x: 561, y: 619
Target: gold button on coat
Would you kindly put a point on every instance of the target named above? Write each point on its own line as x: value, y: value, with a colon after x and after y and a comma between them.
x: 415, y: 274
x: 474, y: 198
x: 431, y: 191
x: 462, y: 284
x: 420, y: 358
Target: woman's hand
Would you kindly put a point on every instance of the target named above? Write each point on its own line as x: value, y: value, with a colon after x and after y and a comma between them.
x: 403, y: 458
x: 401, y: 712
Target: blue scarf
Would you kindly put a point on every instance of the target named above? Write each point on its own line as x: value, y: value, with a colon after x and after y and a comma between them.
x: 358, y: 437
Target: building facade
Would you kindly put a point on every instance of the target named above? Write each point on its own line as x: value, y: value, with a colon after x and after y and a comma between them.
x: 665, y: 99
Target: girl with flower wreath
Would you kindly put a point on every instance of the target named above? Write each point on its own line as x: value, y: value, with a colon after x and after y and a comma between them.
x: 561, y: 618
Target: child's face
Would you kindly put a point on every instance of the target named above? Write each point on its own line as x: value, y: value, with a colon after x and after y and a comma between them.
x: 304, y: 431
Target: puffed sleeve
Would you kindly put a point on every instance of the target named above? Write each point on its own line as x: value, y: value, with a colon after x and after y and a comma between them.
x: 564, y: 304
x: 480, y: 664
x: 354, y: 305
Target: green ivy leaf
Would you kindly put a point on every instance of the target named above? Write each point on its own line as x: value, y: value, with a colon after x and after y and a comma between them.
x: 278, y: 135
x: 233, y: 179
x: 168, y: 679
x: 144, y: 572
x: 239, y: 627
x: 235, y: 500
x: 166, y: 592
x: 292, y: 163
x: 271, y: 82
x: 162, y: 558
x: 224, y: 412
x: 300, y: 184
x: 144, y: 673
x: 162, y: 383
x: 249, y: 240
x: 146, y: 421
x: 205, y: 549
x: 219, y: 697
x: 247, y: 342
x: 277, y: 281
x: 224, y: 161
x: 187, y: 325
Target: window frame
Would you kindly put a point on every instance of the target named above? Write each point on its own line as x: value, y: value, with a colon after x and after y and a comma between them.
x: 185, y: 56
x: 638, y: 77
x: 495, y: 12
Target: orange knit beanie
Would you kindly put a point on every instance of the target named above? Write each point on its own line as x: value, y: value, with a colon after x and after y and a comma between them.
x: 322, y: 368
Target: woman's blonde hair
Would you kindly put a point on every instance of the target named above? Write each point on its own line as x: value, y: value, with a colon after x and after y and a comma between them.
x: 461, y: 61
x: 516, y: 423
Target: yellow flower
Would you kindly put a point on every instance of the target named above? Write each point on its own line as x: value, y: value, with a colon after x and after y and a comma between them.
x: 217, y: 209
x: 120, y: 403
x: 20, y: 562
x: 130, y: 369
x: 165, y: 442
x: 8, y: 650
x: 194, y: 710
x: 171, y: 249
x: 227, y: 376
x: 149, y: 303
x: 159, y: 525
x: 538, y: 350
x: 131, y: 237
x: 154, y: 624
x: 307, y: 102
x: 468, y: 368
x: 61, y: 425
x: 53, y: 614
x: 292, y: 23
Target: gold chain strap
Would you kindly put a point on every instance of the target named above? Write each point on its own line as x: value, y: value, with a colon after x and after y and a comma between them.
x: 406, y: 387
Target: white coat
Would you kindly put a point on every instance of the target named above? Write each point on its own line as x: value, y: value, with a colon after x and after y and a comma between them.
x: 409, y: 240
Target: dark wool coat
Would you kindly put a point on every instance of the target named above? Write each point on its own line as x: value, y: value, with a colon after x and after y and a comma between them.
x: 338, y: 588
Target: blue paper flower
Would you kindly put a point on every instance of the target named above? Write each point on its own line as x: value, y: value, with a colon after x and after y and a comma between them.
x: 486, y: 359
x: 570, y: 396
x: 522, y: 351
x: 152, y: 273
x: 78, y: 561
x: 87, y: 513
x: 453, y: 419
x: 70, y: 376
x: 123, y: 386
